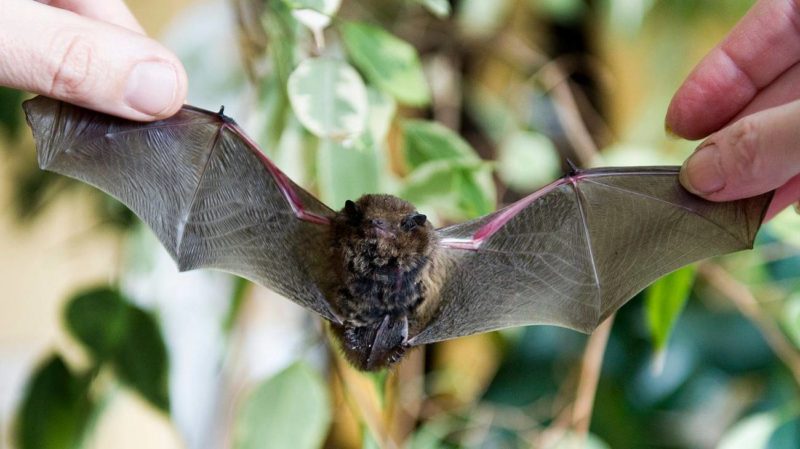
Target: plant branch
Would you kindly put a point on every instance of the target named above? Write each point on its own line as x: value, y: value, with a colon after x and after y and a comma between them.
x: 748, y: 305
x: 578, y: 416
x: 555, y: 80
x: 590, y: 375
x: 365, y: 402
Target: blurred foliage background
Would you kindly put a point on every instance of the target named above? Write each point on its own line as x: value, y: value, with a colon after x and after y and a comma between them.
x: 459, y: 106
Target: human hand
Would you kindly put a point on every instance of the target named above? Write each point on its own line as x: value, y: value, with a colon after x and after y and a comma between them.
x: 92, y: 53
x: 744, y: 97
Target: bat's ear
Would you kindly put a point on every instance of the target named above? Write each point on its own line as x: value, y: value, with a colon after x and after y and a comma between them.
x: 352, y: 211
x: 413, y: 220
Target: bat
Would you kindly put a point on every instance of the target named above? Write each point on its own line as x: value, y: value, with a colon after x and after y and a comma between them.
x: 569, y: 255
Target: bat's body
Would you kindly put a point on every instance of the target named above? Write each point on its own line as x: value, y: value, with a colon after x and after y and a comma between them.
x: 384, y: 259
x: 569, y: 254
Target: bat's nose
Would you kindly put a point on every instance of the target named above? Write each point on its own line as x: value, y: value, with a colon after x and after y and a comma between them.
x: 383, y: 228
x: 379, y: 224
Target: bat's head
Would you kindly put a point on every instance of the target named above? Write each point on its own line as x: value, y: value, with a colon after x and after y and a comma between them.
x: 392, y: 225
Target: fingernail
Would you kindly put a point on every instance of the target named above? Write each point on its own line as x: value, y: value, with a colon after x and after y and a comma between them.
x: 151, y: 87
x: 669, y: 132
x: 701, y: 173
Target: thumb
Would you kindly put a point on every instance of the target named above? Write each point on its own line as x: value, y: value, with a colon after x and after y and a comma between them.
x: 90, y: 63
x: 754, y: 155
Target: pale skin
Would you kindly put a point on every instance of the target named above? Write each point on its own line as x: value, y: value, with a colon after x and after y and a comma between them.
x: 743, y: 98
x: 92, y: 53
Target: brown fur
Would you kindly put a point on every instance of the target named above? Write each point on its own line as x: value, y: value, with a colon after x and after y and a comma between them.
x: 385, y: 266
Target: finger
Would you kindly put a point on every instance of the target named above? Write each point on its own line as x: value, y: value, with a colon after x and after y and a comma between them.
x: 781, y: 91
x: 109, y: 11
x: 754, y: 155
x: 785, y: 196
x: 762, y: 46
x: 93, y: 64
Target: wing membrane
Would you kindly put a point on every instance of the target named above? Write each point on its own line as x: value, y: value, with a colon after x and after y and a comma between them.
x: 574, y: 252
x: 206, y: 192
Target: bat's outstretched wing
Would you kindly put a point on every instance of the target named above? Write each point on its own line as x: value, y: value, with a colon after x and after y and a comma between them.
x: 202, y: 185
x: 574, y: 252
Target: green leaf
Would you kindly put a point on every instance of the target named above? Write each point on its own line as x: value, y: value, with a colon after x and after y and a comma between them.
x: 432, y: 180
x: 664, y: 301
x: 431, y: 434
x: 98, y: 319
x: 315, y: 14
x: 752, y: 432
x: 380, y: 381
x: 387, y: 61
x: 324, y: 6
x: 454, y: 189
x: 422, y: 439
x: 368, y: 441
x: 790, y: 318
x: 281, y: 28
x: 337, y: 163
x: 784, y: 226
x: 295, y: 151
x: 329, y: 98
x: 272, y: 112
x: 491, y: 112
x: 479, y: 18
x: 141, y: 360
x: 632, y: 154
x: 241, y: 287
x: 128, y: 338
x: 381, y: 112
x: 572, y: 440
x: 35, y: 189
x: 787, y: 435
x: 439, y: 8
x: 563, y: 11
x: 55, y: 411
x: 476, y: 191
x: 113, y: 213
x: 346, y: 173
x: 427, y: 141
x: 527, y: 160
x: 10, y: 111
x: 626, y: 16
x: 289, y: 410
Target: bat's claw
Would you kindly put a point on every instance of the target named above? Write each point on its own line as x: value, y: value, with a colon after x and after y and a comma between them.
x: 573, y: 169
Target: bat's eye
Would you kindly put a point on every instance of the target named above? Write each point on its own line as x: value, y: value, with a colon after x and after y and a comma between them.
x: 413, y: 220
x: 378, y: 223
